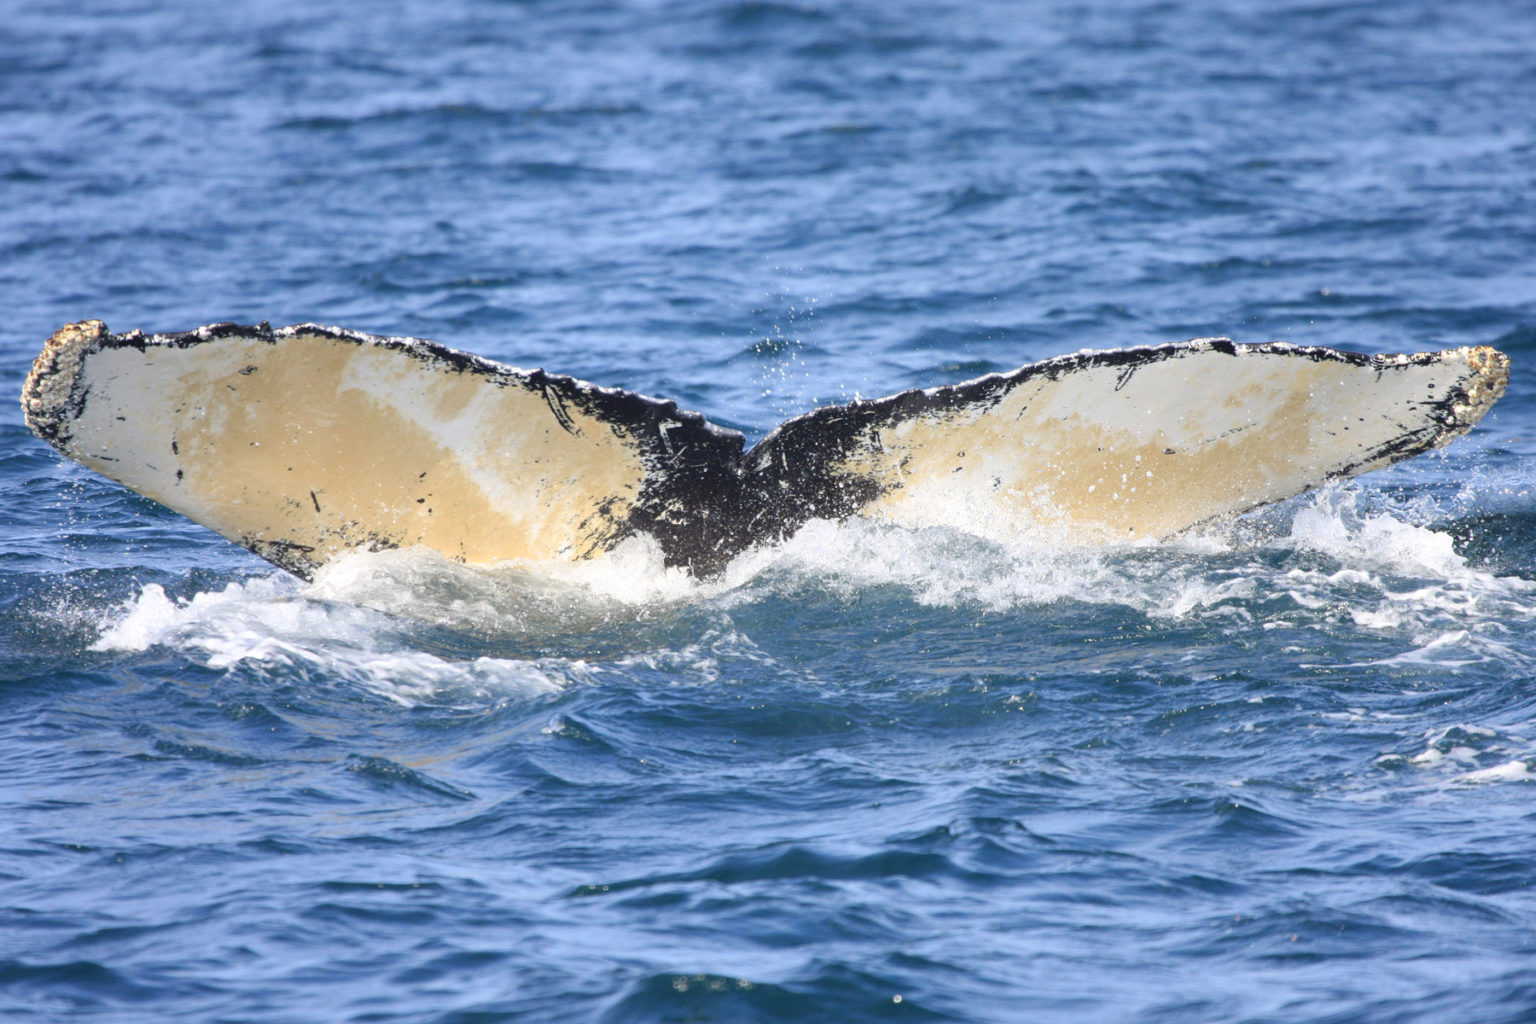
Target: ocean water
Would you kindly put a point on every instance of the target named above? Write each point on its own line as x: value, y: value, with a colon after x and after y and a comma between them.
x: 1278, y: 770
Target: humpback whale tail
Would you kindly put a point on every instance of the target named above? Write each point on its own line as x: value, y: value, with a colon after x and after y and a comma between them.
x: 306, y: 442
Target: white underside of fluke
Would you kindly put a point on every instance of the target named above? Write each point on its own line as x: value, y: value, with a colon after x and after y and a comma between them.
x: 307, y: 442
x: 1123, y: 451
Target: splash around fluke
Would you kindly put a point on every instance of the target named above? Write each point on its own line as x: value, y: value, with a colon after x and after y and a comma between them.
x: 306, y: 442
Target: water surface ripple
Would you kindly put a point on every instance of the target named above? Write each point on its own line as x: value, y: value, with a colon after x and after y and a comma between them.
x: 1279, y: 770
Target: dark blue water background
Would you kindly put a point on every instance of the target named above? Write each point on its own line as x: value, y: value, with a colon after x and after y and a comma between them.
x: 1278, y: 771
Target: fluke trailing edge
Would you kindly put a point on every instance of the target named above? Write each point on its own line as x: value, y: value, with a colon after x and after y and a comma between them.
x: 307, y: 442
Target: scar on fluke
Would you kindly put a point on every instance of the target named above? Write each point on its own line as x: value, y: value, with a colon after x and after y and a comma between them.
x: 1089, y: 448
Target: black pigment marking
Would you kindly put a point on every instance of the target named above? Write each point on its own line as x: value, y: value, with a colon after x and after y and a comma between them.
x: 562, y: 415
x: 291, y: 557
x: 315, y: 500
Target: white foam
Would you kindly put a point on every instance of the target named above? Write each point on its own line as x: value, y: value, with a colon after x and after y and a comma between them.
x: 935, y: 566
x: 1332, y: 523
x: 1389, y: 575
x: 413, y: 581
x: 153, y: 618
x: 265, y: 625
x: 1460, y: 753
x: 1510, y: 771
x: 1322, y: 563
x: 1434, y: 756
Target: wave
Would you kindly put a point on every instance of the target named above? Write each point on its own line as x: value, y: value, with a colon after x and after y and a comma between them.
x: 270, y: 627
x: 412, y: 625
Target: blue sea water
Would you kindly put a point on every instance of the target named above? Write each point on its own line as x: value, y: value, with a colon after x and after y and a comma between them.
x: 1280, y: 770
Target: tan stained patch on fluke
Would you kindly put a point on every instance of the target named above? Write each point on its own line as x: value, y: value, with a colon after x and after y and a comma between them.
x: 305, y: 444
x: 1122, y: 451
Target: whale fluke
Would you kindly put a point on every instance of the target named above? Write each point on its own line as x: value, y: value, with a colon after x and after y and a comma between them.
x: 306, y: 442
